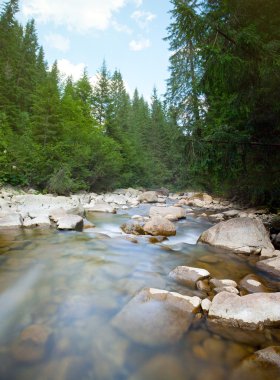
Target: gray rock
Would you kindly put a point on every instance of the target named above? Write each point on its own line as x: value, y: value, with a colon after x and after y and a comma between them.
x: 40, y: 221
x: 159, y: 226
x: 155, y: 317
x: 115, y: 198
x: 271, y: 266
x: 149, y: 197
x: 252, y: 311
x: 188, y: 275
x: 176, y: 212
x: 235, y: 234
x: 10, y: 219
x: 70, y: 222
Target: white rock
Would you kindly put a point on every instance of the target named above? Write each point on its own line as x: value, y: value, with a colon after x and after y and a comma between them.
x: 177, y: 212
x: 205, y: 304
x: 40, y: 221
x: 271, y: 266
x: 10, y: 220
x: 99, y: 207
x: 70, y: 222
x: 188, y: 275
x: 158, y: 226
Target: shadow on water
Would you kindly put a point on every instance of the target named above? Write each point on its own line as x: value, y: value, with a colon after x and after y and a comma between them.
x: 73, y: 284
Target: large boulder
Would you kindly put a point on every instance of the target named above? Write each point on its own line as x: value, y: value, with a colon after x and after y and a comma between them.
x: 70, y: 222
x: 155, y: 317
x: 115, y: 198
x: 177, y: 212
x: 252, y: 311
x: 271, y: 266
x: 159, y: 226
x: 149, y: 197
x: 39, y: 221
x: 188, y: 275
x: 239, y: 234
x: 10, y: 219
x: 133, y: 228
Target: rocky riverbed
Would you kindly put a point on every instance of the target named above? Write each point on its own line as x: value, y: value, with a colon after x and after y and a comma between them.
x: 137, y: 285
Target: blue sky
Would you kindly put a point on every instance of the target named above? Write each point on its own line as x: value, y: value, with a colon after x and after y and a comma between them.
x: 128, y: 34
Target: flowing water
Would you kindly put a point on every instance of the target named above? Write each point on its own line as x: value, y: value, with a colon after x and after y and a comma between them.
x: 75, y: 283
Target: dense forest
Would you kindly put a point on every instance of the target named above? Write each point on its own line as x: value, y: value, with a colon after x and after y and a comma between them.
x: 218, y: 128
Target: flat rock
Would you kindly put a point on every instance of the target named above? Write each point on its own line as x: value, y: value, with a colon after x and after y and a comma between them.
x: 251, y: 311
x: 235, y: 234
x: 229, y: 289
x: 155, y: 317
x: 99, y: 207
x: 171, y: 211
x: 271, y: 266
x: 10, y: 219
x: 224, y: 282
x: 188, y: 275
x: 70, y: 222
x: 159, y: 226
x: 252, y: 284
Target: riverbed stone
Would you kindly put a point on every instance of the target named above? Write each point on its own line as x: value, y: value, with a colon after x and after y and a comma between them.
x: 31, y: 344
x: 171, y: 211
x: 149, y: 197
x: 205, y: 304
x: 229, y: 289
x: 252, y: 284
x: 237, y: 233
x: 10, y: 219
x: 155, y: 317
x: 159, y: 226
x: 252, y: 311
x: 221, y: 283
x: 70, y: 222
x: 134, y: 228
x: 270, y: 266
x: 100, y: 206
x: 188, y: 275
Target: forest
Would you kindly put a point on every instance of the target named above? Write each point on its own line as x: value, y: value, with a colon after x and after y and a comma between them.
x: 216, y: 129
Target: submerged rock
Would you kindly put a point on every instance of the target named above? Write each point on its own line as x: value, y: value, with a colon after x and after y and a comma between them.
x: 252, y: 284
x: 239, y: 234
x: 155, y: 317
x: 159, y: 226
x: 188, y: 275
x: 31, y: 345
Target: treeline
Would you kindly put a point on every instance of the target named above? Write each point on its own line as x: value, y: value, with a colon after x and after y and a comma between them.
x: 65, y: 136
x: 224, y: 92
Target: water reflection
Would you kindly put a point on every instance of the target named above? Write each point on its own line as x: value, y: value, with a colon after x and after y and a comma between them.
x: 73, y: 284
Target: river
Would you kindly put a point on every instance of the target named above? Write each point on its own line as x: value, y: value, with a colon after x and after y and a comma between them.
x: 74, y: 283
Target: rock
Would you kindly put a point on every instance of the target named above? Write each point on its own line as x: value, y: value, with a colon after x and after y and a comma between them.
x: 134, y: 228
x: 252, y: 284
x: 88, y: 224
x: 10, y: 219
x: 196, y: 203
x: 276, y: 241
x: 205, y: 304
x: 271, y: 266
x: 40, y: 221
x: 163, y: 367
x: 149, y: 197
x: 188, y: 275
x: 31, y: 345
x: 100, y: 207
x: 70, y: 222
x: 203, y: 285
x: 115, y: 198
x: 262, y: 365
x: 231, y: 213
x: 266, y: 253
x: 216, y: 217
x: 250, y: 312
x: 209, y: 259
x: 57, y: 213
x: 221, y: 283
x: 155, y: 317
x: 159, y: 226
x: 229, y: 289
x: 157, y: 239
x: 176, y: 212
x: 235, y: 234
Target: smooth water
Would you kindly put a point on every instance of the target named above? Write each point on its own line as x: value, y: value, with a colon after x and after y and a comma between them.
x: 75, y: 283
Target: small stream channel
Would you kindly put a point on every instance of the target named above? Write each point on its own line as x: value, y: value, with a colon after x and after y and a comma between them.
x: 74, y: 283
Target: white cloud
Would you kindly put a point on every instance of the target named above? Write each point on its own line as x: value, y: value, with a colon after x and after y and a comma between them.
x: 142, y: 18
x: 140, y: 44
x: 70, y: 69
x: 79, y: 15
x: 58, y: 41
x: 121, y: 28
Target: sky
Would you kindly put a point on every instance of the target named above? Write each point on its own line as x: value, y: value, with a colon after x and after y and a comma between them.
x: 128, y: 34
